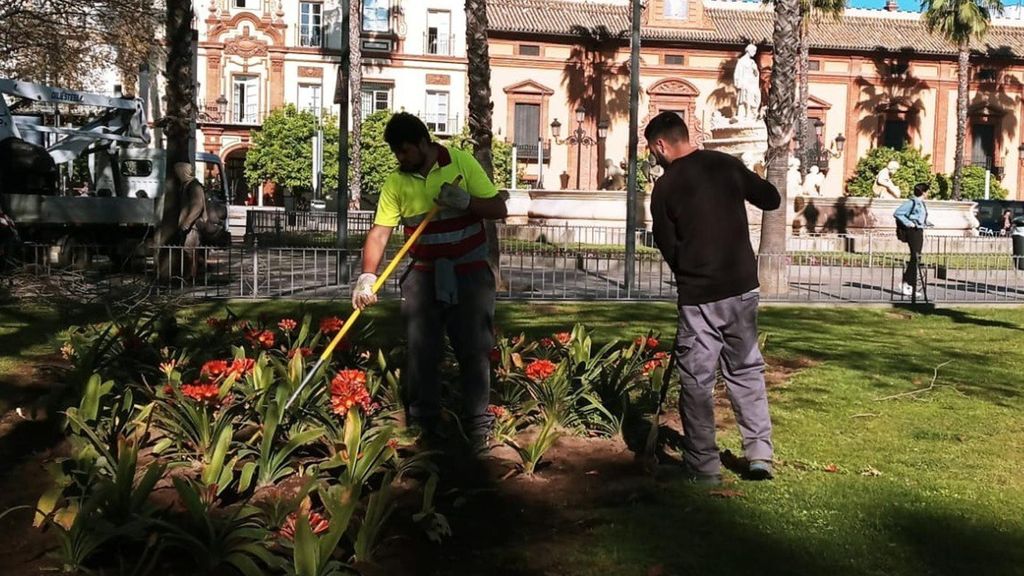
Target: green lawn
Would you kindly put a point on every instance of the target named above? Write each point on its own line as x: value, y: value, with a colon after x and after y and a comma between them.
x: 930, y: 484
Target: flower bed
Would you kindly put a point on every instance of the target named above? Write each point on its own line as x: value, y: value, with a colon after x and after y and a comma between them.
x: 183, y: 457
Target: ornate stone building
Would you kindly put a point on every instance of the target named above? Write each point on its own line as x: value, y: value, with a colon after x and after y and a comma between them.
x: 258, y: 55
x: 877, y: 77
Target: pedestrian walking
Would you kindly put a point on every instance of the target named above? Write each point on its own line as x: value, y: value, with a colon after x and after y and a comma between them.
x: 449, y: 287
x: 700, y: 226
x: 912, y: 216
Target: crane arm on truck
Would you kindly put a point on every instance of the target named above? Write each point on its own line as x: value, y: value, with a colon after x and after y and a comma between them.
x: 124, y: 119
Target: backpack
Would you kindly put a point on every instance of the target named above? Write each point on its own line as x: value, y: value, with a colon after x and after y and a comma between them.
x: 901, y: 231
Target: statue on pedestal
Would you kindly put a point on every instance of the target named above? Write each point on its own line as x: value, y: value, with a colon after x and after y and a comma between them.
x: 794, y: 181
x: 884, y: 187
x: 746, y: 78
x: 613, y: 177
x: 813, y: 181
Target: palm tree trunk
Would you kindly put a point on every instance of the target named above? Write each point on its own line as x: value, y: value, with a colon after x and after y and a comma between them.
x: 801, y: 119
x: 772, y: 270
x: 356, y: 98
x: 963, y: 72
x: 177, y: 117
x: 180, y: 93
x: 481, y: 108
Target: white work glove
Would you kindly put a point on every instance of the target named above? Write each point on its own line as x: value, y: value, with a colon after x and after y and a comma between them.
x: 451, y: 196
x: 362, y: 294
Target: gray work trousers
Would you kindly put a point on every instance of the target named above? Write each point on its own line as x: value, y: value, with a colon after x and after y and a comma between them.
x: 721, y: 334
x: 470, y: 327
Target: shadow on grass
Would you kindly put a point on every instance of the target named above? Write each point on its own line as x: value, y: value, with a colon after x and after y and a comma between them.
x: 948, y: 545
x: 960, y: 317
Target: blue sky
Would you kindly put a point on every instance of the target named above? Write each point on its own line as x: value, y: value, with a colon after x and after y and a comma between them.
x: 904, y: 4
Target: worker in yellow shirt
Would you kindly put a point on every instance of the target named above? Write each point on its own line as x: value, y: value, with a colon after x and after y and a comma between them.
x: 449, y: 287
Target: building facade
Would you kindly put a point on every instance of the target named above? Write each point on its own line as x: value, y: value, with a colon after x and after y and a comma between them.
x: 877, y: 77
x: 255, y: 56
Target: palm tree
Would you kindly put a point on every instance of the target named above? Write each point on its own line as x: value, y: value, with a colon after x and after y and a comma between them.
x: 781, y: 109
x: 355, y: 78
x: 809, y: 10
x: 959, y: 22
x: 480, y: 106
x: 180, y: 91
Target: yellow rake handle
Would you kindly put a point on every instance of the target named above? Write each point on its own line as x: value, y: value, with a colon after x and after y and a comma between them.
x: 376, y: 287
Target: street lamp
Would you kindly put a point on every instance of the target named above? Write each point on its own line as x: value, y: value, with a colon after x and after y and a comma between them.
x: 579, y: 137
x: 222, y: 107
x: 839, y: 143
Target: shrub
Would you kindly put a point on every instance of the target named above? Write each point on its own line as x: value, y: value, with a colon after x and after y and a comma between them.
x: 915, y: 167
x: 971, y: 188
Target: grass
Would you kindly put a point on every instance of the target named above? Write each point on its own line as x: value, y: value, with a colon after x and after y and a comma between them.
x: 929, y: 484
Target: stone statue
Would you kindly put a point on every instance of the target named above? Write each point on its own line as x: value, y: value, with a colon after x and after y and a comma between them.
x: 718, y: 120
x: 794, y: 180
x: 613, y: 178
x: 747, y: 81
x: 884, y: 187
x: 813, y: 181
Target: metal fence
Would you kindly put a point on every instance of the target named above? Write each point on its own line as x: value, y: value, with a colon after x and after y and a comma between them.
x: 534, y: 264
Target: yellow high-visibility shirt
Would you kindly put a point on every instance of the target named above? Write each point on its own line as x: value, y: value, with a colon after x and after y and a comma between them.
x: 406, y: 195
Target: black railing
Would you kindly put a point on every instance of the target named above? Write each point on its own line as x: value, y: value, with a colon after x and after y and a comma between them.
x: 532, y: 151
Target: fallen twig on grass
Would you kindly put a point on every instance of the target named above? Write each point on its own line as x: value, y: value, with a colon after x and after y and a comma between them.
x: 931, y: 386
x: 865, y: 415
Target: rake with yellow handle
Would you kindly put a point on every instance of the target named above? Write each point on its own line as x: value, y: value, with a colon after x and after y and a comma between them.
x: 356, y: 312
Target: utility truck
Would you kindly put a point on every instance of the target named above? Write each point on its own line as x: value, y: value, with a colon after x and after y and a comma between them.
x: 92, y: 180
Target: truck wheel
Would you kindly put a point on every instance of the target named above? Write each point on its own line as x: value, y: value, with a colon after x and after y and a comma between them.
x: 70, y: 253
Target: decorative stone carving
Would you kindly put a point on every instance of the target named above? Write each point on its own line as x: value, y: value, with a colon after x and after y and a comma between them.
x: 813, y: 181
x: 245, y: 46
x: 794, y: 180
x: 439, y: 80
x: 311, y: 72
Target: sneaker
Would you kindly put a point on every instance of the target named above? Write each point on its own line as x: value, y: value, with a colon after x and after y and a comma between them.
x: 760, y: 470
x: 906, y: 289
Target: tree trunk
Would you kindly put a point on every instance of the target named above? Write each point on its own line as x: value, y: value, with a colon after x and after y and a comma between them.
x: 963, y: 72
x: 772, y: 270
x: 355, y: 71
x: 180, y: 92
x: 801, y: 118
x: 177, y: 119
x: 481, y: 109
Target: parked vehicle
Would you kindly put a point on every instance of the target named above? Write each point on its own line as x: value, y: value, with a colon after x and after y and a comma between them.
x: 990, y: 214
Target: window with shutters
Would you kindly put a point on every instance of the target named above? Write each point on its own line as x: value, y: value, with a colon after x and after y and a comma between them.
x: 245, y: 99
x: 527, y: 130
x: 529, y: 50
x: 376, y: 98
x: 436, y: 116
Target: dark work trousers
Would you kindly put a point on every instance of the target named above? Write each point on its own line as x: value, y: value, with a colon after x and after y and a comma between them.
x: 470, y: 327
x: 721, y: 334
x: 915, y: 240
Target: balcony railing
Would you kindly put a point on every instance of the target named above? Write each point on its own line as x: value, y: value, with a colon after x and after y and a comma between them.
x: 442, y: 124
x: 531, y: 151
x: 209, y: 113
x: 309, y: 37
x: 438, y: 44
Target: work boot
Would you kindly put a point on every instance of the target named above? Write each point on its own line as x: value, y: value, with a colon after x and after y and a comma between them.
x: 760, y: 470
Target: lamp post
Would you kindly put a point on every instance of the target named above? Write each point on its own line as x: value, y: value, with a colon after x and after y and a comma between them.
x: 839, y: 144
x: 222, y: 107
x: 579, y: 137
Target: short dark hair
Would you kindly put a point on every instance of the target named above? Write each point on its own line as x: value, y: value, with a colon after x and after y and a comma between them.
x: 405, y: 128
x: 667, y: 125
x: 920, y: 189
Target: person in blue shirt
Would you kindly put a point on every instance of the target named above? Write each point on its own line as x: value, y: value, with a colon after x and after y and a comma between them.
x: 912, y: 215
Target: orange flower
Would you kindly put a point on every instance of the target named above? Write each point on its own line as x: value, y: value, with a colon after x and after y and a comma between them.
x: 202, y: 392
x: 393, y: 443
x: 304, y: 351
x: 213, y: 370
x: 287, y: 324
x: 241, y: 366
x: 348, y: 390
x: 547, y: 343
x: 317, y: 523
x: 168, y: 367
x: 563, y: 338
x: 538, y: 370
x: 648, y: 341
x: 218, y: 323
x: 498, y: 412
x: 262, y: 338
x: 660, y: 359
x: 331, y: 324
